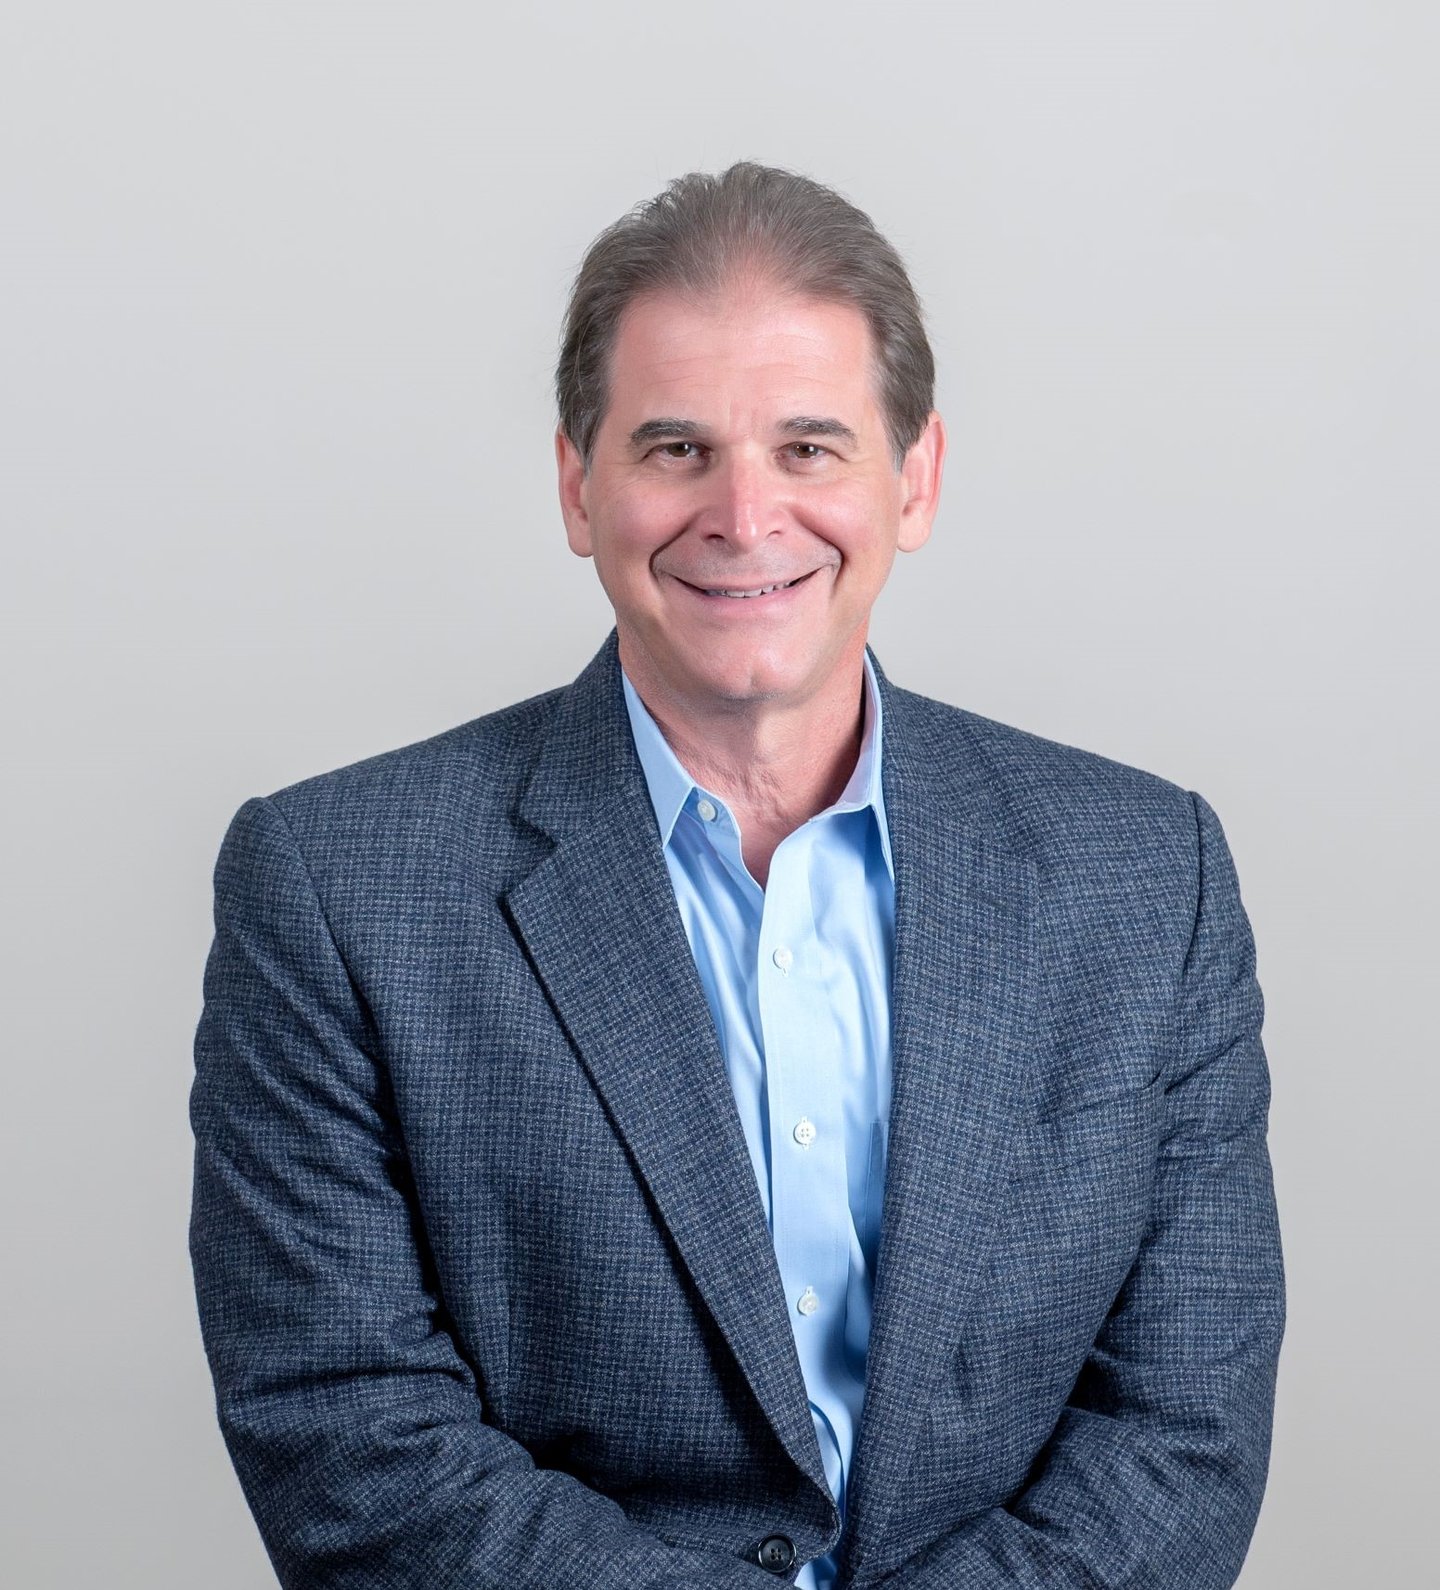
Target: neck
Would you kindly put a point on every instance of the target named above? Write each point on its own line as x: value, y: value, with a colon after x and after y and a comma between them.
x: 775, y: 763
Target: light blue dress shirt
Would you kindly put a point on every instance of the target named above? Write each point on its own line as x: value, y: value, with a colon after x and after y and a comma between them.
x: 797, y: 975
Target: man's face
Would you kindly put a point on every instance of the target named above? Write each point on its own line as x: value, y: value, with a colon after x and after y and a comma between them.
x: 744, y: 447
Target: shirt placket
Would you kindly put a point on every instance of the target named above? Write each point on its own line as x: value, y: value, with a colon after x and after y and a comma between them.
x: 808, y: 1178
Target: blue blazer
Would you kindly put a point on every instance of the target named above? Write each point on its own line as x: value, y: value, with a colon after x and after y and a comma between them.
x: 483, y: 1275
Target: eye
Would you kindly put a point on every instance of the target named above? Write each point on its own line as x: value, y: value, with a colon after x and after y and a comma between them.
x: 676, y: 450
x: 807, y: 452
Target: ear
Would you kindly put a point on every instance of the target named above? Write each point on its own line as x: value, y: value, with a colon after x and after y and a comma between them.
x: 920, y: 485
x: 571, y: 471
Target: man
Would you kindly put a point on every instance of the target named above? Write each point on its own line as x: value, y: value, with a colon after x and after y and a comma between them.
x: 734, y: 1118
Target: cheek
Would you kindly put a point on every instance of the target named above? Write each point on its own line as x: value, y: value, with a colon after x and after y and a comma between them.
x: 859, y: 524
x: 632, y: 524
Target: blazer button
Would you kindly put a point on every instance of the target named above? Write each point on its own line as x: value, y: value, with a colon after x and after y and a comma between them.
x: 776, y: 1553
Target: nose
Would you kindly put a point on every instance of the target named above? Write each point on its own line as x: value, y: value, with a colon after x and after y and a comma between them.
x: 744, y: 502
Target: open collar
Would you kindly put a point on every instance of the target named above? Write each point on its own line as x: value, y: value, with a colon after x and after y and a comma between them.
x: 671, y: 785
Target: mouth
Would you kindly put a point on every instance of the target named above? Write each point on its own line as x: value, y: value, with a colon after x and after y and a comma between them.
x: 735, y: 593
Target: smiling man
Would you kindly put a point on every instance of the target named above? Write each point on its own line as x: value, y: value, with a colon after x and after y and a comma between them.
x: 732, y: 1118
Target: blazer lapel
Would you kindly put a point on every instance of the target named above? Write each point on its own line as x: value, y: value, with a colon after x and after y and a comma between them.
x: 963, y: 1039
x: 599, y: 919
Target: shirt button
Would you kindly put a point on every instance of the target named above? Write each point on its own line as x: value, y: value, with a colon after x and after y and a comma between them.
x: 707, y: 810
x: 804, y: 1133
x: 808, y: 1302
x: 783, y: 958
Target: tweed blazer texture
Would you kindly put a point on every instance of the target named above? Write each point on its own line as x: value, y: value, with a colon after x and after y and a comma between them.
x: 482, y: 1270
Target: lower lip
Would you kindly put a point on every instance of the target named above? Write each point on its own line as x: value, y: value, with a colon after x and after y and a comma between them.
x: 748, y: 604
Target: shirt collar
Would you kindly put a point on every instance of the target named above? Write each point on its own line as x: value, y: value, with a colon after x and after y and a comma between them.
x: 671, y: 786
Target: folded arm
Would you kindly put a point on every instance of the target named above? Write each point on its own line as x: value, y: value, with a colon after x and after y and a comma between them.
x: 356, y: 1428
x: 1153, y: 1476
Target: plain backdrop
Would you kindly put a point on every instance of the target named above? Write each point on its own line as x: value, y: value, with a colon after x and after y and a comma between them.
x: 281, y: 294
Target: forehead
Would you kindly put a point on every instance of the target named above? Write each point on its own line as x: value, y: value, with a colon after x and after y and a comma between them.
x: 764, y: 345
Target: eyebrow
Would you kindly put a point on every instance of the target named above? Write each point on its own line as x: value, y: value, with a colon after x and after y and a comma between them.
x: 671, y: 429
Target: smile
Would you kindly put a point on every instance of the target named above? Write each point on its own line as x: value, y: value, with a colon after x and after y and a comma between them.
x: 742, y: 595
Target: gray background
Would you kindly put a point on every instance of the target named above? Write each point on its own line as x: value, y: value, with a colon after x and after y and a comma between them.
x: 281, y: 291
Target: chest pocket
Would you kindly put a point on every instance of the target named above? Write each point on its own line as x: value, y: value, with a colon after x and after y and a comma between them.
x: 1092, y: 1131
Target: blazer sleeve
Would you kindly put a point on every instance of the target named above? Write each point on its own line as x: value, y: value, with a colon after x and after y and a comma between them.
x: 1153, y: 1475
x: 356, y: 1428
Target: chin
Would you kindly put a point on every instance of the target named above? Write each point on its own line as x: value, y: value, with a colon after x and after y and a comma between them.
x: 725, y: 668
x: 749, y: 677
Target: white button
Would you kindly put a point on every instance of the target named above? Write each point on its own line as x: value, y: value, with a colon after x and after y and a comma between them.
x: 804, y: 1131
x: 808, y: 1301
x: 707, y: 810
x: 783, y: 958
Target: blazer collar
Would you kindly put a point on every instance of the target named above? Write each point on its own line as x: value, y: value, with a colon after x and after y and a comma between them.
x: 928, y: 753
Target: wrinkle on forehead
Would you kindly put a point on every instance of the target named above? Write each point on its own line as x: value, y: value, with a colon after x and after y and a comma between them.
x: 807, y: 352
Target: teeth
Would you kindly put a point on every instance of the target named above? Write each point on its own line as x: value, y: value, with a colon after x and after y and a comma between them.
x: 764, y: 590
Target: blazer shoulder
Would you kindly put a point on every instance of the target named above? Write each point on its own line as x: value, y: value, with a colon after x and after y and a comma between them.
x: 1064, y: 798
x: 463, y: 777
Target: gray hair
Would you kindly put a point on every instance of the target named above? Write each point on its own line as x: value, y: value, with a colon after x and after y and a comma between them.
x: 703, y: 232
